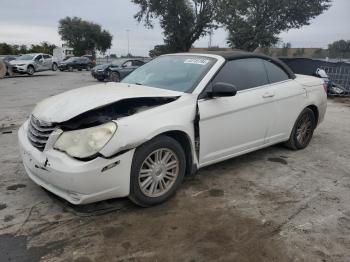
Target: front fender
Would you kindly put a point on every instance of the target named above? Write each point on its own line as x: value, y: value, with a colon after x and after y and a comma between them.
x: 137, y: 129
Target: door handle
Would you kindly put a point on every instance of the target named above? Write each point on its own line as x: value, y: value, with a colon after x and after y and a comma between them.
x: 268, y: 95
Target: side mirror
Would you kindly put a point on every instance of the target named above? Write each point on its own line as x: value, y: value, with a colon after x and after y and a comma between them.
x: 221, y: 89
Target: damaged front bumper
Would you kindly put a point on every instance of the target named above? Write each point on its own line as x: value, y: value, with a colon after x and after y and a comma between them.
x: 78, y: 182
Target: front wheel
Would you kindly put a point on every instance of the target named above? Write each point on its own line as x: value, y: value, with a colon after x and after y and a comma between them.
x: 30, y: 70
x: 303, y: 130
x: 157, y: 171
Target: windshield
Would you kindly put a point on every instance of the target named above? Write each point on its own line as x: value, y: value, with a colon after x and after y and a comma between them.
x: 177, y: 73
x: 25, y: 57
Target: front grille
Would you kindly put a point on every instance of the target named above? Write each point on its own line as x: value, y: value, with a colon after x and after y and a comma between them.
x: 39, y: 132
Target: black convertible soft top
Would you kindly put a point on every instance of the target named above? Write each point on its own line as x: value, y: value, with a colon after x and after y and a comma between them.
x: 233, y: 55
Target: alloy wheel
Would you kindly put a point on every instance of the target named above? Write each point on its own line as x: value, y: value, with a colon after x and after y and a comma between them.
x: 158, y: 172
x: 304, y: 129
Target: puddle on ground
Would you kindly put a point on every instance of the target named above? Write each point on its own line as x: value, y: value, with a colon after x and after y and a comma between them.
x: 14, y: 248
x: 15, y: 187
x: 278, y: 160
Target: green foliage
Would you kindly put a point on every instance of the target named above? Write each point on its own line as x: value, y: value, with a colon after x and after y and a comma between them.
x: 183, y: 21
x: 254, y: 23
x: 159, y: 50
x: 44, y: 47
x: 339, y: 49
x: 83, y: 36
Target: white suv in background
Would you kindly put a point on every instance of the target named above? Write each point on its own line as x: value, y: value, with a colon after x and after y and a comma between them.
x: 31, y: 63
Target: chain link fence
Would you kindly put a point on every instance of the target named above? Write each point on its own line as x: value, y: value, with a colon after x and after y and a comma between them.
x: 340, y: 75
x: 338, y: 71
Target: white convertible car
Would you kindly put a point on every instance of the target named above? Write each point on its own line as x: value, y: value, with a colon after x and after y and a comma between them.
x: 168, y: 118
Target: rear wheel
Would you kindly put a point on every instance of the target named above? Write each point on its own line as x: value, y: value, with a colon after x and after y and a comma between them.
x: 30, y: 70
x: 157, y: 171
x: 114, y: 77
x: 303, y: 130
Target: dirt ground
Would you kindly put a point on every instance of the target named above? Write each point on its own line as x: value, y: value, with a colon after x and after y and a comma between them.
x: 270, y: 205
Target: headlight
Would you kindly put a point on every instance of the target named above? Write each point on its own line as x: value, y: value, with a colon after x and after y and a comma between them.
x: 20, y: 64
x: 87, y: 142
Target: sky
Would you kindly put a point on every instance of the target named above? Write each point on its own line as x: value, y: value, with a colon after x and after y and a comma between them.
x: 35, y: 21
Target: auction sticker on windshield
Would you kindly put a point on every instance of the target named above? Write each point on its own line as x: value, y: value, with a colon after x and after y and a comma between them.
x: 197, y: 61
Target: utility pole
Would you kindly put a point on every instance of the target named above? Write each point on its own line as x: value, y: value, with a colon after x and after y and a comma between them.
x: 210, y: 38
x: 127, y: 31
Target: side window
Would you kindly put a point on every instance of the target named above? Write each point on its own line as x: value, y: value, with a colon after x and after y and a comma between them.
x: 275, y: 73
x: 38, y: 57
x: 243, y: 73
x: 137, y: 63
x: 47, y: 56
x: 127, y: 63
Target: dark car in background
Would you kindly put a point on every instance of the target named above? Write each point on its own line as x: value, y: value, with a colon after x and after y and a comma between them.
x: 78, y: 63
x: 8, y: 58
x: 116, y: 70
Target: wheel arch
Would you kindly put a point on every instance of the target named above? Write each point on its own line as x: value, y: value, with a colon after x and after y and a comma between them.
x: 185, y: 141
x: 315, y: 111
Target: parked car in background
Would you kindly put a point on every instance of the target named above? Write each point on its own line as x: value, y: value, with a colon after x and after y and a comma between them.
x: 168, y: 118
x: 116, y: 70
x: 31, y: 63
x: 78, y: 63
x: 8, y: 58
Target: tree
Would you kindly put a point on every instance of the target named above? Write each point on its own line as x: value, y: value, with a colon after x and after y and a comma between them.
x: 339, y: 49
x: 183, y: 21
x: 83, y: 36
x: 159, y: 50
x: 44, y: 47
x: 257, y: 23
x: 5, y: 49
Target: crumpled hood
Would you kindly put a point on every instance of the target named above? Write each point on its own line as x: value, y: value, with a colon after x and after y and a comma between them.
x: 69, y: 104
x: 19, y: 62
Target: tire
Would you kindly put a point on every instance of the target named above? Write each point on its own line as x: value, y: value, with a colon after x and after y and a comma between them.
x: 303, y: 130
x: 30, y: 70
x: 114, y: 77
x: 54, y: 67
x: 159, y: 184
x: 70, y: 68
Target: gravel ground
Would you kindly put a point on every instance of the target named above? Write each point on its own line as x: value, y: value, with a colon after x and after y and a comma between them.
x: 270, y: 205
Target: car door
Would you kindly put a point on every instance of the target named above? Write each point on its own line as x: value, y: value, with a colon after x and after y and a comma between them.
x: 289, y: 101
x: 76, y: 63
x: 47, y: 62
x: 230, y: 126
x: 126, y: 69
x: 39, y: 63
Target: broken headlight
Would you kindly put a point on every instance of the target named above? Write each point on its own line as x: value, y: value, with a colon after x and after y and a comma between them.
x: 86, y: 142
